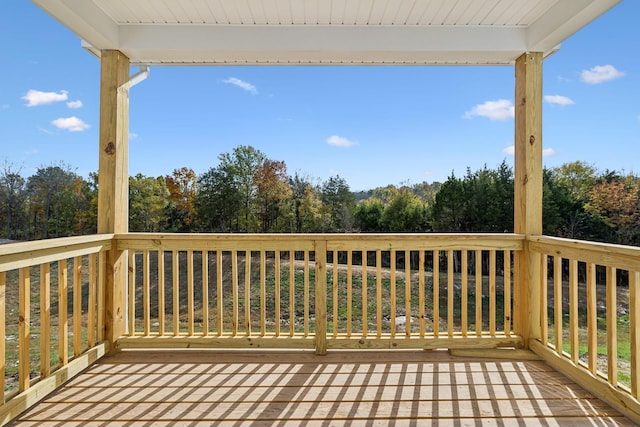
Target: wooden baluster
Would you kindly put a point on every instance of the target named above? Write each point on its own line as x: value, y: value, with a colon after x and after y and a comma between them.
x: 205, y: 292
x: 277, y: 296
x: 436, y: 293
x: 146, y: 292
x: 450, y: 294
x: 492, y: 293
x: 506, y: 279
x: 378, y: 293
x: 364, y: 286
x: 592, y: 318
x: 131, y: 303
x: 612, y: 327
x: 573, y: 310
x: 45, y: 319
x: 161, y: 296
x: 393, y: 315
x: 219, y: 308
x: 77, y: 306
x: 24, y: 327
x: 478, y: 289
x: 190, y: 294
x: 349, y: 293
x: 91, y: 312
x: 176, y: 291
x: 63, y: 322
x: 544, y: 299
x: 557, y: 303
x: 421, y: 293
x: 464, y: 304
x: 306, y: 293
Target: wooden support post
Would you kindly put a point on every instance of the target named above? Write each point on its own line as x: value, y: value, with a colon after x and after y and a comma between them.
x: 113, y: 184
x: 528, y: 192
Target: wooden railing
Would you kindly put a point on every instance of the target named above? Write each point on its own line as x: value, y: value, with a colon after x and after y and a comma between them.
x: 50, y: 315
x: 591, y: 321
x: 320, y: 291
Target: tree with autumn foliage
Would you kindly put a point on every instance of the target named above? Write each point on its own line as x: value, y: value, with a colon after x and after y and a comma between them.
x: 272, y: 183
x: 181, y: 185
x: 616, y: 203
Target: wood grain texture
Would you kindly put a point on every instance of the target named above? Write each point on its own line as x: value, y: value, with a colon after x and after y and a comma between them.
x: 145, y: 387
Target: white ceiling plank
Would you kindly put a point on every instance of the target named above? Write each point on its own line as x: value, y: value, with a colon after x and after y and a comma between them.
x: 270, y: 11
x: 297, y: 10
x: 479, y: 17
x: 325, y: 31
x: 245, y: 14
x: 401, y: 12
x: 90, y: 23
x: 202, y: 10
x: 536, y: 12
x: 563, y: 20
x: 351, y: 12
x: 443, y: 12
x: 377, y: 12
x: 512, y: 13
x: 284, y: 12
x: 364, y: 11
x: 338, y: 8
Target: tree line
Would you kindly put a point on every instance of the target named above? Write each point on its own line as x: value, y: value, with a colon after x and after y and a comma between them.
x: 247, y: 192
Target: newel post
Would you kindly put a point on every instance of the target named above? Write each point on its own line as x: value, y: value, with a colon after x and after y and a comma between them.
x: 528, y: 193
x: 113, y: 184
x: 321, y: 296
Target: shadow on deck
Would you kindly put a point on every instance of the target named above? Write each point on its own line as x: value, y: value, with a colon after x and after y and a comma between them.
x: 225, y: 388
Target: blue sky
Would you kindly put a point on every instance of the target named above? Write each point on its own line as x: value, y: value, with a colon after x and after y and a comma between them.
x: 371, y: 125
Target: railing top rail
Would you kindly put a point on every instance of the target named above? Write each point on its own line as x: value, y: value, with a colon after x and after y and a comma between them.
x: 347, y: 241
x: 23, y: 254
x: 607, y: 254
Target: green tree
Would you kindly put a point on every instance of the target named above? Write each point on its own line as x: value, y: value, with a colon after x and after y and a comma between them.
x: 306, y: 205
x: 339, y: 202
x: 448, y: 210
x: 405, y: 213
x: 240, y: 166
x: 368, y: 215
x: 12, y: 202
x: 218, y: 202
x: 148, y: 201
x: 54, y: 196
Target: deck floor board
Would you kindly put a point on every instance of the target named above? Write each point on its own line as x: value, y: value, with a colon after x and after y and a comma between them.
x: 232, y: 388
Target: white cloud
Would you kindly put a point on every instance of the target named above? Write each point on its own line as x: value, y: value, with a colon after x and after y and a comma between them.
x: 600, y: 74
x: 502, y: 109
x: 511, y: 150
x: 133, y: 135
x: 72, y: 124
x: 340, y: 141
x: 74, y: 104
x: 241, y: 84
x: 563, y: 101
x: 36, y: 97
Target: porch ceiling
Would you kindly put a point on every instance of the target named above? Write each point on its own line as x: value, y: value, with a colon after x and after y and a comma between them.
x: 404, y: 32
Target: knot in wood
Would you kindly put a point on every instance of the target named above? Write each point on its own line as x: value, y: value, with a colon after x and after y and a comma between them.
x: 111, y: 149
x: 532, y: 139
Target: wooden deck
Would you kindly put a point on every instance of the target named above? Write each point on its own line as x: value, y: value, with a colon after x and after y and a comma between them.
x: 225, y: 388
